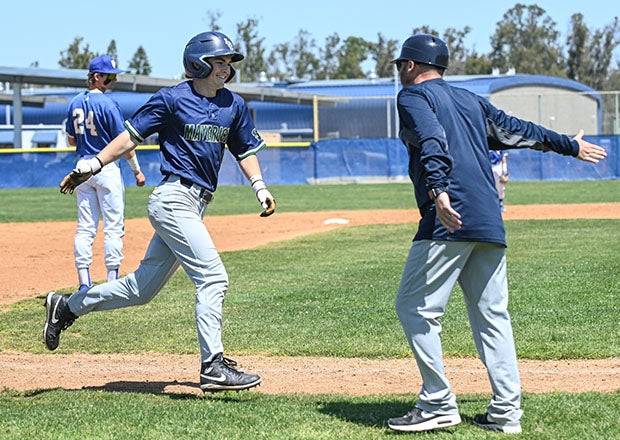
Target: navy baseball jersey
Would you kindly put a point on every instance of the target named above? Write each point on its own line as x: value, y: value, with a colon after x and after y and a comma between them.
x: 93, y: 120
x: 459, y: 162
x: 193, y: 131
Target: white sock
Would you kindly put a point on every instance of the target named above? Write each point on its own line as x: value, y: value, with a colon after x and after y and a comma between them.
x: 112, y: 274
x: 84, y: 277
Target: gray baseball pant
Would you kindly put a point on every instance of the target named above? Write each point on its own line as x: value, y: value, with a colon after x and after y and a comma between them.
x: 430, y: 274
x: 181, y: 237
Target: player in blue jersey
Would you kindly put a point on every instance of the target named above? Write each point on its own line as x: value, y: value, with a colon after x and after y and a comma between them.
x: 194, y: 121
x: 93, y: 120
x: 448, y: 132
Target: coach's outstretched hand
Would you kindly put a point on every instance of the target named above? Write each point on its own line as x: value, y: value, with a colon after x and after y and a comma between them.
x: 589, y: 152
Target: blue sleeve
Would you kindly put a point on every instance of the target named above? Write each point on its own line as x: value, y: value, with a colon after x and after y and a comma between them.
x: 506, y: 132
x: 149, y: 118
x: 429, y: 137
x: 244, y: 139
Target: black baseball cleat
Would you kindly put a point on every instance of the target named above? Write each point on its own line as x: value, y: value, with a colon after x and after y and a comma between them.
x: 58, y: 317
x: 220, y: 375
x: 485, y: 421
x: 418, y: 420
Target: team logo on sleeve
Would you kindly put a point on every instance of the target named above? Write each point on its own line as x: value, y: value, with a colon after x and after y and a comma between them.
x: 257, y: 135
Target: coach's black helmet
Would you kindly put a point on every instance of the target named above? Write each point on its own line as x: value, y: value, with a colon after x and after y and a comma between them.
x: 425, y: 49
x: 207, y: 45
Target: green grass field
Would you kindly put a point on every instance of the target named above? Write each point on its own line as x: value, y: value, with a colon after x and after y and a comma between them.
x: 47, y: 204
x: 332, y: 294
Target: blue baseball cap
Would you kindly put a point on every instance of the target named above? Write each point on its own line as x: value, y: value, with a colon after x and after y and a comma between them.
x: 103, y: 64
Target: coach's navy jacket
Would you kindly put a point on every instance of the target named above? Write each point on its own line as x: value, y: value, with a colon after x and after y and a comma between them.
x: 448, y: 132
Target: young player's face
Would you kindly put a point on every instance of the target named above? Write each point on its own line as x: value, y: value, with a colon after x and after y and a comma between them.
x: 105, y: 81
x: 220, y: 70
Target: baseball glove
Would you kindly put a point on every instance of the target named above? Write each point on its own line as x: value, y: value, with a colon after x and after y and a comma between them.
x: 84, y: 169
x: 270, y: 207
x: 72, y: 180
x: 504, y: 178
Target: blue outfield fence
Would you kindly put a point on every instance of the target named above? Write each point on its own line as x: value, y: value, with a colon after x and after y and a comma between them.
x: 331, y: 161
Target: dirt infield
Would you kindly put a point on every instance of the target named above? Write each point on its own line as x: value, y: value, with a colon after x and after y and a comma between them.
x: 37, y: 258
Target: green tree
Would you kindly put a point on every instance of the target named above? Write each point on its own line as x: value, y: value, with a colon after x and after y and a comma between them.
x: 251, y: 45
x: 478, y: 64
x: 112, y: 50
x: 212, y: 20
x: 353, y: 52
x: 76, y: 57
x: 383, y: 52
x: 454, y: 38
x: 462, y: 60
x: 328, y: 57
x: 305, y: 62
x: 280, y: 62
x: 613, y: 81
x: 590, y: 53
x: 139, y: 64
x: 576, y: 42
x: 527, y: 40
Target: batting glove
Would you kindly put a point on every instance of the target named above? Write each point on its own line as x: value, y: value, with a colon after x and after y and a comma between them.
x: 267, y: 202
x: 263, y: 195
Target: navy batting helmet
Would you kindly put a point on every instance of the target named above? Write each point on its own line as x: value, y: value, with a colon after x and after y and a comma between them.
x: 425, y: 49
x: 207, y: 45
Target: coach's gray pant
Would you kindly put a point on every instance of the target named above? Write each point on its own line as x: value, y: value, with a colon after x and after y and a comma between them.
x: 181, y: 237
x: 430, y: 274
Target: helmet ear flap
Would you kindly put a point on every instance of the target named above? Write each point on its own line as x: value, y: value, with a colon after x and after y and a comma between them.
x: 232, y: 73
x: 198, y: 68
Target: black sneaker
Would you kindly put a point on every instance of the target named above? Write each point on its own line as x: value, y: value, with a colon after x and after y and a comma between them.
x: 485, y: 421
x: 221, y: 375
x: 58, y: 317
x: 419, y: 420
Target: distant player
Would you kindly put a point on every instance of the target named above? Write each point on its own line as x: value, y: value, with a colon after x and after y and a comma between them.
x: 499, y: 165
x: 195, y: 120
x: 93, y: 121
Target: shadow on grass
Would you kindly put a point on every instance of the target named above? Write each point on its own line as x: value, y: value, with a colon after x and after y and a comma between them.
x: 376, y: 414
x: 171, y: 389
x: 148, y: 388
x: 373, y: 415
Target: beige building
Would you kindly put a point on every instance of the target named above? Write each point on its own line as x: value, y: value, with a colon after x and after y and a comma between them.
x: 559, y: 104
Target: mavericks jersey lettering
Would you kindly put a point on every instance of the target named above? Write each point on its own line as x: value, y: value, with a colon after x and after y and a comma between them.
x: 209, y: 133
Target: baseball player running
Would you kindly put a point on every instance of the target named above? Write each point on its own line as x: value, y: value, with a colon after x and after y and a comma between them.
x: 93, y: 120
x: 194, y: 120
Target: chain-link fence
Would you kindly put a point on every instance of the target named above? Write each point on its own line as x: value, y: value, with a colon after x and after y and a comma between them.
x: 372, y: 117
x: 376, y: 116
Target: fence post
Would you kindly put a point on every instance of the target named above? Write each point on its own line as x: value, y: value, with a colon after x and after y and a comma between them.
x: 315, y: 116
